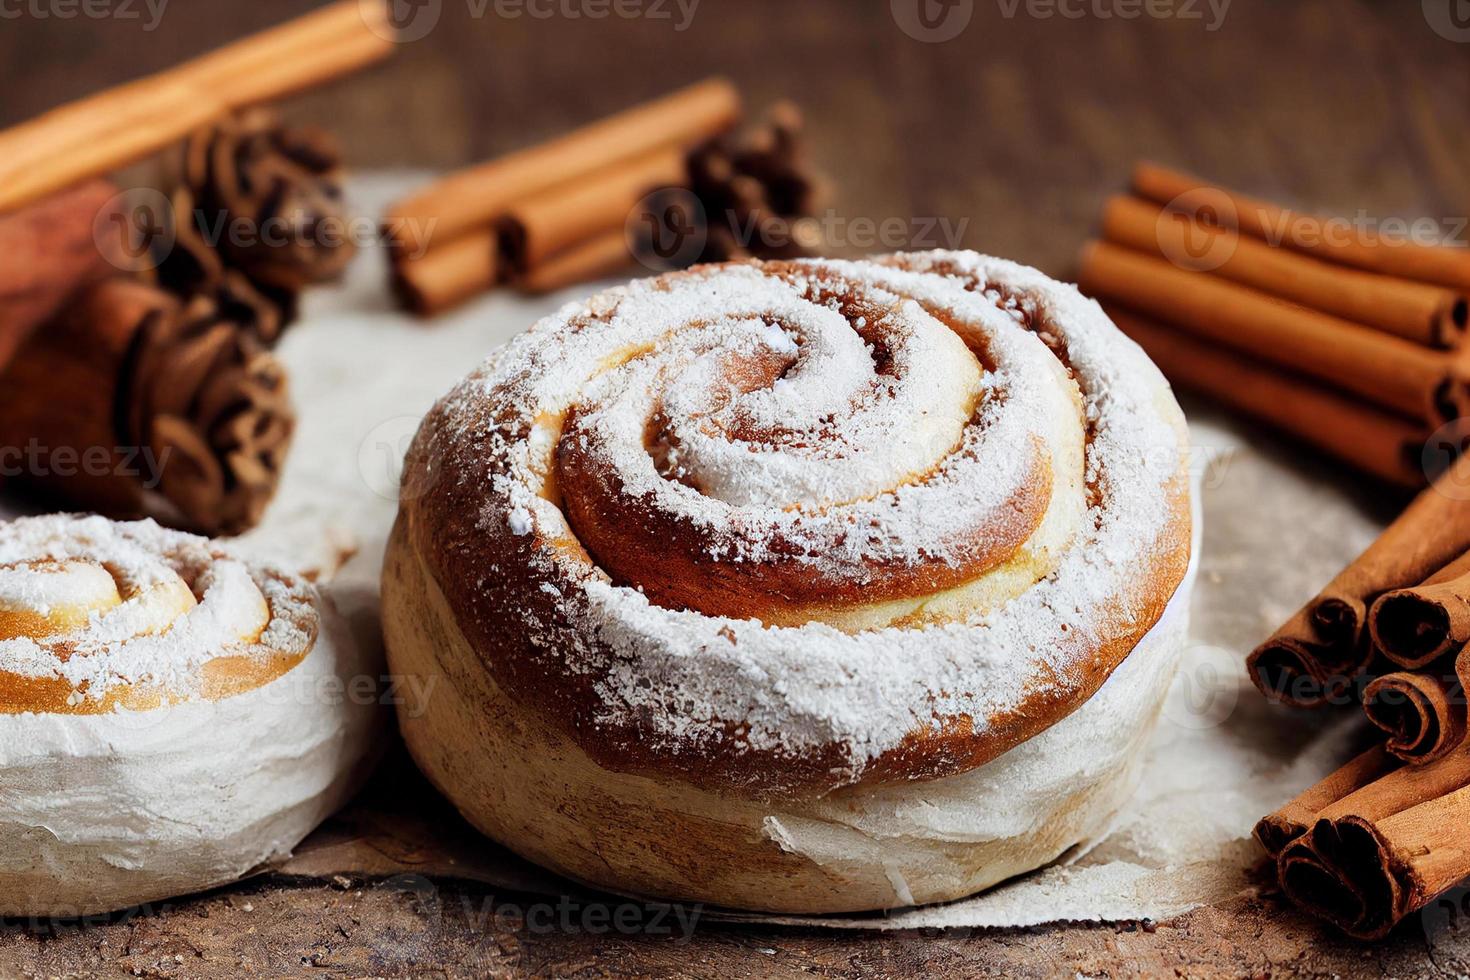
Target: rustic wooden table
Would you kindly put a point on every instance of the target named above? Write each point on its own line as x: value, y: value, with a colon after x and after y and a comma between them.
x: 1013, y: 129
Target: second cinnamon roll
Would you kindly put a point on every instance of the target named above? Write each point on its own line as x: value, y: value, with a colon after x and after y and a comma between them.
x: 173, y: 715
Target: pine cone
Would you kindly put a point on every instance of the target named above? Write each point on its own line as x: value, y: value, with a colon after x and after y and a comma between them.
x: 758, y: 191
x: 209, y: 394
x: 262, y: 199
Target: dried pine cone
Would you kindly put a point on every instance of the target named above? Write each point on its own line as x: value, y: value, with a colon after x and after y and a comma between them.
x: 208, y: 393
x: 757, y: 191
x: 260, y: 198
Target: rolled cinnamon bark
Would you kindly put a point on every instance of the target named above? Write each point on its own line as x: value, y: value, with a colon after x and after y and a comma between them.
x: 1388, y: 371
x: 48, y: 252
x: 1429, y: 534
x: 1428, y: 315
x: 1442, y: 265
x: 1417, y: 626
x: 596, y: 258
x: 1296, y: 818
x: 131, y: 403
x: 60, y: 397
x: 1423, y: 714
x: 481, y: 195
x: 1384, y: 850
x: 114, y: 128
x: 541, y: 226
x: 450, y: 274
x: 1375, y: 441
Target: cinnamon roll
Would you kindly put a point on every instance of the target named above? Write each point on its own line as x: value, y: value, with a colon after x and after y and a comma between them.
x: 809, y: 586
x: 172, y: 715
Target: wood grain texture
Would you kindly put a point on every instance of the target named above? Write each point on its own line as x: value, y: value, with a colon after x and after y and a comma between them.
x: 1018, y: 128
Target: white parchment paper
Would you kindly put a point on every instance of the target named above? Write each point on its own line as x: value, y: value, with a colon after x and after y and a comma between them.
x: 1276, y: 527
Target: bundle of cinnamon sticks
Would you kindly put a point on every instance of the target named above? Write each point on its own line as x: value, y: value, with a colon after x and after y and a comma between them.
x: 1383, y: 836
x: 1354, y: 342
x: 1345, y: 338
x: 572, y: 209
x: 135, y: 376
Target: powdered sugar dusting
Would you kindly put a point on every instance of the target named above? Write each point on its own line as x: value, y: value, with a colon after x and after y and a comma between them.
x: 918, y: 438
x: 158, y: 605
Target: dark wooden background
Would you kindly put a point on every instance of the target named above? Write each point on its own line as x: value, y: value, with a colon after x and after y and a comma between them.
x: 1019, y: 126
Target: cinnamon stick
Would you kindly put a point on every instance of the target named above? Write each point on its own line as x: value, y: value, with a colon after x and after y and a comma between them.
x: 1442, y: 265
x: 1370, y: 439
x: 1329, y: 634
x: 540, y: 226
x: 60, y: 397
x: 1428, y: 315
x: 596, y: 258
x: 1423, y: 629
x: 132, y: 403
x: 448, y: 275
x: 1389, y: 371
x: 1418, y: 625
x: 1423, y: 714
x: 1385, y: 849
x: 50, y: 250
x: 1296, y: 817
x: 109, y: 130
x: 478, y: 196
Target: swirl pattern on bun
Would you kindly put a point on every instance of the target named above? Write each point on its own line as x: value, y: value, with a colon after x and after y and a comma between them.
x: 96, y: 616
x: 798, y: 526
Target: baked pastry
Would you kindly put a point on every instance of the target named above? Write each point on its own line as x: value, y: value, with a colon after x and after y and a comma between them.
x: 171, y: 716
x: 806, y: 587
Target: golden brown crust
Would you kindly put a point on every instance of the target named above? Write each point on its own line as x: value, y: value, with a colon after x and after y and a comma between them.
x: 533, y: 788
x: 512, y: 604
x: 489, y: 619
